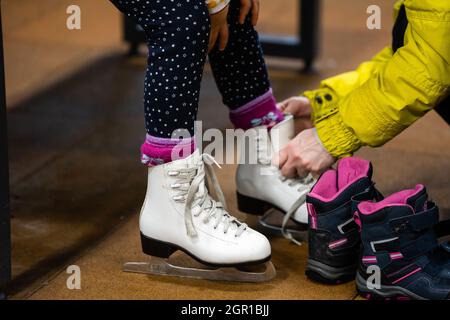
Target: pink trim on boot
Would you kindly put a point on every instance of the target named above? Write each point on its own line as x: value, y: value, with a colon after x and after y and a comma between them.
x: 337, y: 243
x: 312, y: 214
x: 261, y: 111
x: 156, y: 151
x: 334, y: 182
x: 397, y: 199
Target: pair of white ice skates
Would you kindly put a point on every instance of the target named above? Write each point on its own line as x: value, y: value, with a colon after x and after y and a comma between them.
x: 180, y: 214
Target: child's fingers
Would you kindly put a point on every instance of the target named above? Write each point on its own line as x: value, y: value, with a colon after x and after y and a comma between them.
x: 245, y: 10
x: 223, y: 38
x: 255, y: 12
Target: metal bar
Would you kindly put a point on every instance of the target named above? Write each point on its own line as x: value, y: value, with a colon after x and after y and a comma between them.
x: 5, y: 223
x: 287, y: 47
x: 309, y: 30
x: 305, y: 45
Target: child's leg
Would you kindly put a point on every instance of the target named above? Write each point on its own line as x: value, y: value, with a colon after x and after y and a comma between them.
x: 177, y: 35
x: 242, y: 77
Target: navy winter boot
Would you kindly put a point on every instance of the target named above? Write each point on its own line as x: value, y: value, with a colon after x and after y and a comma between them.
x: 333, y: 235
x: 399, y: 242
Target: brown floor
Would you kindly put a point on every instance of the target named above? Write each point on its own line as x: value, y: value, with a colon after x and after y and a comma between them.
x: 40, y: 50
x: 76, y: 182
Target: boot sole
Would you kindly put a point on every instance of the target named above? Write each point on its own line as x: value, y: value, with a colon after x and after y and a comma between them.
x: 326, y: 274
x: 385, y: 292
x: 161, y: 249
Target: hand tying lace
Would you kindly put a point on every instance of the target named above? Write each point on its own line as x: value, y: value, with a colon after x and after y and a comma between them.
x: 304, y: 184
x: 192, y: 190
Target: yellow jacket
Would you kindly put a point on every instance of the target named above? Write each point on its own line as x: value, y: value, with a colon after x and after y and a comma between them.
x: 384, y: 96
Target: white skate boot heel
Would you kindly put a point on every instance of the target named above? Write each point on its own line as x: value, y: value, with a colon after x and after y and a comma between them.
x: 179, y: 215
x: 262, y: 190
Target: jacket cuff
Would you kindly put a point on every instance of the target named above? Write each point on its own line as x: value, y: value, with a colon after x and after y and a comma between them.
x: 215, y: 6
x: 336, y: 137
x: 323, y: 103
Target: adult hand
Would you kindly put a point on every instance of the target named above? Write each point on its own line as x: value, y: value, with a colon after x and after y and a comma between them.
x: 249, y: 6
x: 219, y: 30
x: 300, y: 108
x: 304, y: 154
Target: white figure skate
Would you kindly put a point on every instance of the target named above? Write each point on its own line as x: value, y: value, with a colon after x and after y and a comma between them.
x: 261, y: 187
x: 179, y: 214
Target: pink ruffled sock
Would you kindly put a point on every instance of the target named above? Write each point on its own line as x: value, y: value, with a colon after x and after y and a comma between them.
x: 156, y: 151
x: 261, y: 111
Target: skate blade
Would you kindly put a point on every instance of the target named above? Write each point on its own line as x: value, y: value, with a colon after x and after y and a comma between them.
x: 273, y: 219
x: 157, y: 266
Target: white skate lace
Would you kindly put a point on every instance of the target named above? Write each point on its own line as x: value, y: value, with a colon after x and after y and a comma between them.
x: 191, y: 184
x: 307, y: 184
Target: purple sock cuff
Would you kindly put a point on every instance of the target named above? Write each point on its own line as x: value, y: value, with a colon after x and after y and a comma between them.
x: 156, y: 151
x: 261, y: 111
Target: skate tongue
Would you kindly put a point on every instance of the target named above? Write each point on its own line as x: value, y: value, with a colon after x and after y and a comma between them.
x: 194, y: 158
x: 418, y: 200
x: 282, y: 133
x: 191, y: 161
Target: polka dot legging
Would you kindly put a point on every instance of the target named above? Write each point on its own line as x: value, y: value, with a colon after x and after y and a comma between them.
x: 177, y: 33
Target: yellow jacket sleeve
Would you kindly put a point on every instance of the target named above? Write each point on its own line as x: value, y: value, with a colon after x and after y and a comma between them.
x: 324, y: 99
x: 344, y: 83
x: 377, y: 102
